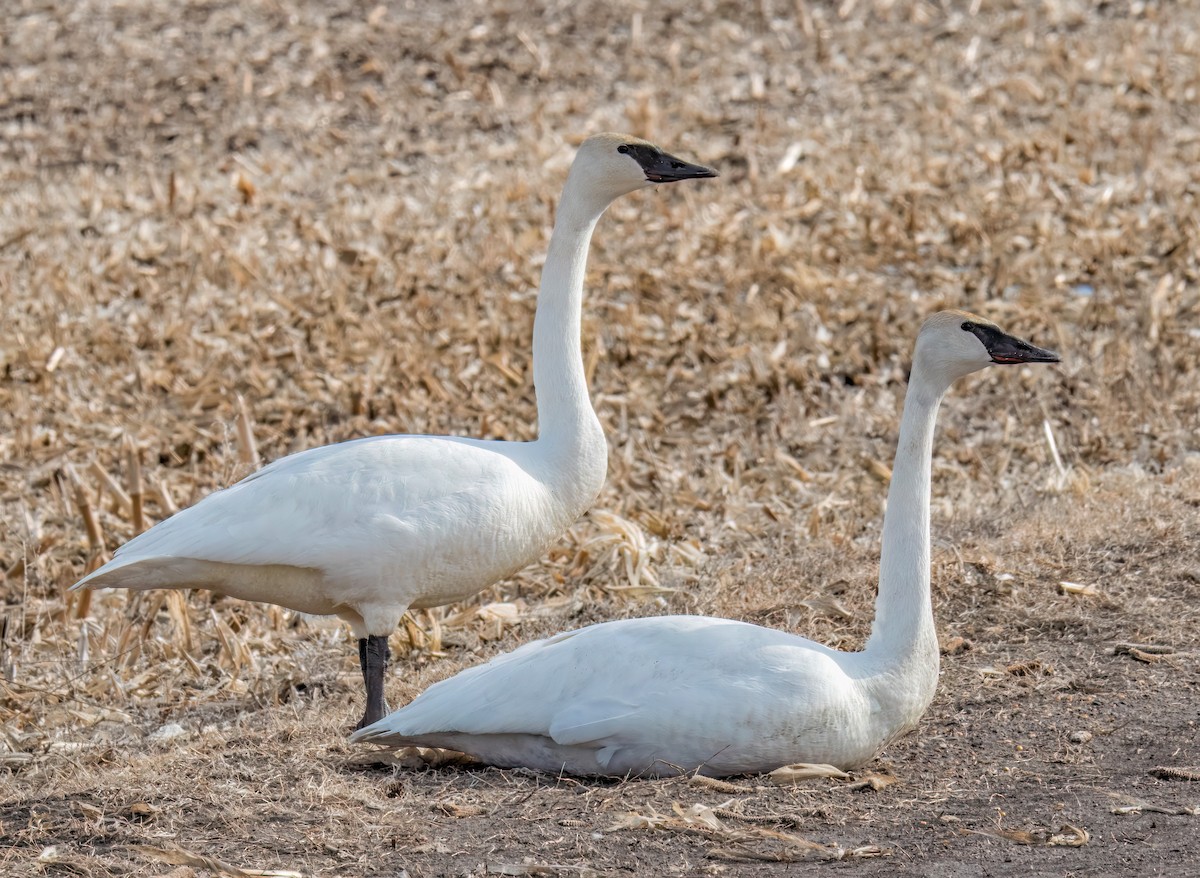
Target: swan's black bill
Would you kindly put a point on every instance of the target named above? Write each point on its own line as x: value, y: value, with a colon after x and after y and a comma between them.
x: 1008, y: 349
x: 661, y: 167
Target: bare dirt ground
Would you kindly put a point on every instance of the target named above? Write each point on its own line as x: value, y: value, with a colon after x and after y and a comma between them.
x: 337, y: 213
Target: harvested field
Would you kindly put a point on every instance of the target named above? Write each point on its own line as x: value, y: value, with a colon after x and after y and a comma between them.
x: 230, y: 231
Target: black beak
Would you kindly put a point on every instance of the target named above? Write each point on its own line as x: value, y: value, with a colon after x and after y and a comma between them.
x: 661, y: 167
x: 1008, y: 349
x: 665, y: 168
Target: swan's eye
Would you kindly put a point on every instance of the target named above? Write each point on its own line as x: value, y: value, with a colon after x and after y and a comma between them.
x: 968, y: 326
x: 623, y: 149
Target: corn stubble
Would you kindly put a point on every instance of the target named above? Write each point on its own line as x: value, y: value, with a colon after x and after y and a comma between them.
x: 299, y: 231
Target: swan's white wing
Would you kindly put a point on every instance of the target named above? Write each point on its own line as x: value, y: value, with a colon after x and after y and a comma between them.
x: 593, y: 719
x: 344, y: 507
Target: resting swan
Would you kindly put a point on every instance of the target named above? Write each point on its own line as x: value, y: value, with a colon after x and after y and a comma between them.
x: 677, y: 694
x: 368, y: 528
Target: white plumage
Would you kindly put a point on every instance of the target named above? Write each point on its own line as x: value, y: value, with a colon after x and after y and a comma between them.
x: 368, y: 528
x: 381, y: 517
x: 661, y: 696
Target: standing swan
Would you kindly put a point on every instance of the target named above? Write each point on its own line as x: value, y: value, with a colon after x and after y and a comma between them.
x: 675, y: 694
x: 368, y: 528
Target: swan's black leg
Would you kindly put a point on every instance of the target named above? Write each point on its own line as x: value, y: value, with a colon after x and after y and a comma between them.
x: 374, y: 655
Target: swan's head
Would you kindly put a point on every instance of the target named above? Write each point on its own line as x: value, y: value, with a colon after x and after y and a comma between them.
x: 956, y: 343
x: 608, y: 166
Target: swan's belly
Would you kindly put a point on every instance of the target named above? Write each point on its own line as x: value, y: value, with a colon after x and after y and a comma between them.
x: 304, y: 591
x: 451, y: 589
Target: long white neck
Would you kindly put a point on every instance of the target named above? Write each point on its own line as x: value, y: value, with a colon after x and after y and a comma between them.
x: 570, y: 438
x: 903, y: 643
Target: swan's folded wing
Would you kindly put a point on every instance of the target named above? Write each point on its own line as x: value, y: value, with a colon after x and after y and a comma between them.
x: 328, y: 505
x: 593, y: 720
x: 605, y: 685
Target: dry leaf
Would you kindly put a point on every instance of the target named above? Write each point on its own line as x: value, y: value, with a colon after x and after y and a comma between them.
x: 246, y: 189
x: 182, y: 857
x: 1143, y: 649
x: 1076, y: 588
x: 634, y: 820
x: 873, y: 781
x: 1070, y: 836
x: 1031, y: 668
x: 802, y: 771
x: 89, y: 810
x: 955, y: 645
x: 451, y: 809
x: 698, y: 814
x: 1149, y: 658
x: 879, y: 470
x: 1067, y: 836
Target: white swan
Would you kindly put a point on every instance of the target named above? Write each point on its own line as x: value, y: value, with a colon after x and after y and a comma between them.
x: 675, y: 694
x: 368, y: 528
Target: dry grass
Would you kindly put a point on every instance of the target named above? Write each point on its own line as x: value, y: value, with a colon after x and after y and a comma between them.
x: 231, y: 230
